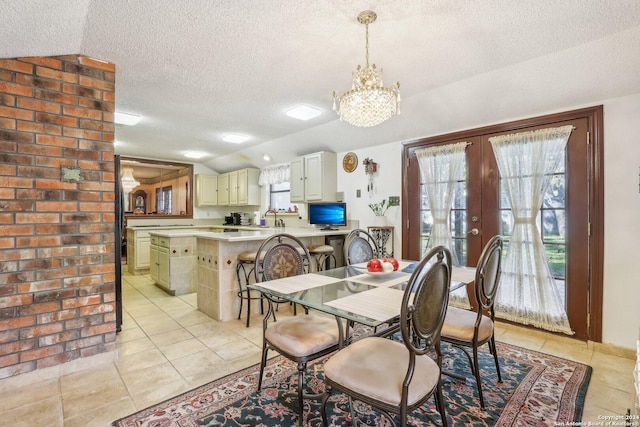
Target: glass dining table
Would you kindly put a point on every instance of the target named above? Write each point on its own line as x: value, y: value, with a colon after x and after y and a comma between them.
x: 352, y: 293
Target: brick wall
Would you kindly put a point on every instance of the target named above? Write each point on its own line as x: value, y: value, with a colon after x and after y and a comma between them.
x: 57, y: 259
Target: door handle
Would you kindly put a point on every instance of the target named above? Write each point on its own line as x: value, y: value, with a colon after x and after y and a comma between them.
x: 473, y: 231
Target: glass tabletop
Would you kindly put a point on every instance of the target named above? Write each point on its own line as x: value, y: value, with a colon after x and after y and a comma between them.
x: 347, y: 292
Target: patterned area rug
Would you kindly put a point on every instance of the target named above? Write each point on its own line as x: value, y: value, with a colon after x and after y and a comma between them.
x: 537, y: 389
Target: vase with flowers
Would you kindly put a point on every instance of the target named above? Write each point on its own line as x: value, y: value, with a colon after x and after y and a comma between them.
x: 380, y: 209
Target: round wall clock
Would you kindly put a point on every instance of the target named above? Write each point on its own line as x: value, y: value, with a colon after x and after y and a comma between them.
x: 350, y: 162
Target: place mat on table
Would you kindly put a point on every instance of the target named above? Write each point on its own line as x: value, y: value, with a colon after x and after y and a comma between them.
x: 387, y: 280
x: 463, y: 274
x: 380, y: 303
x: 289, y: 285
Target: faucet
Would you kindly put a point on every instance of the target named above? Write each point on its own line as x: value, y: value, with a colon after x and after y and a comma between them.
x: 275, y: 216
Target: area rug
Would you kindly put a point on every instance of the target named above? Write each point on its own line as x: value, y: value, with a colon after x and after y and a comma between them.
x: 537, y: 389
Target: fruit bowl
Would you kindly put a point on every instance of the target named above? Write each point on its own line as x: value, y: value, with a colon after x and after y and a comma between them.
x: 375, y: 273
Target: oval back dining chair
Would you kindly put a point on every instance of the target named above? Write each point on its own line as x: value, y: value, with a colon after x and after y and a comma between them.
x: 359, y: 246
x: 472, y: 329
x: 393, y: 376
x: 299, y: 338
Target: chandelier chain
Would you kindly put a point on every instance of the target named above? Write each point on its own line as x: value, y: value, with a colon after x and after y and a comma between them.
x: 367, y: 45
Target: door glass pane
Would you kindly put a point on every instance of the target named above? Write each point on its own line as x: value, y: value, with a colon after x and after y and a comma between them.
x: 552, y: 222
x: 458, y: 220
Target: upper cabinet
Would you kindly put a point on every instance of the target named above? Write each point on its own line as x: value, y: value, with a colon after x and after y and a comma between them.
x: 239, y: 188
x: 248, y: 190
x: 206, y: 190
x: 223, y: 189
x: 314, y: 178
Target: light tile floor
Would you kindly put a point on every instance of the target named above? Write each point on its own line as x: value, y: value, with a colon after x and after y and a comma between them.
x: 167, y: 347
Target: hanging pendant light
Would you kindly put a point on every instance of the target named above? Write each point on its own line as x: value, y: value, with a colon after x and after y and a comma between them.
x: 128, y: 181
x: 369, y: 102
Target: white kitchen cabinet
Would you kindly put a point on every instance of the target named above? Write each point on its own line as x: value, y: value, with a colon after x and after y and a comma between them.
x: 153, y: 259
x: 314, y: 178
x: 248, y: 190
x: 238, y: 188
x: 296, y: 173
x: 233, y: 188
x: 175, y: 264
x: 138, y: 246
x: 163, y: 267
x: 206, y: 190
x: 223, y: 189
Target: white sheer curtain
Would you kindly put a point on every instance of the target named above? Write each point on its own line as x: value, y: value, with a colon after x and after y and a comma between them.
x: 274, y: 175
x: 527, y: 292
x: 441, y: 168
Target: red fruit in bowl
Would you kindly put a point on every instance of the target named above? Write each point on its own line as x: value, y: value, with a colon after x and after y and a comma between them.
x: 374, y: 266
x: 395, y: 263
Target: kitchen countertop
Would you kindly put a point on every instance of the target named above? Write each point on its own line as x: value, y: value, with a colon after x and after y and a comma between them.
x: 248, y: 233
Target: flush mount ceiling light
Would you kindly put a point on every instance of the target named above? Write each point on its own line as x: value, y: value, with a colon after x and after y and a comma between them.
x: 303, y: 112
x: 126, y: 119
x: 195, y: 154
x: 128, y: 181
x: 368, y: 103
x: 235, y: 138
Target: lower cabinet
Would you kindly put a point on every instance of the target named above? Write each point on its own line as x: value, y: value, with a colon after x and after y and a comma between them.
x: 153, y: 260
x: 175, y: 263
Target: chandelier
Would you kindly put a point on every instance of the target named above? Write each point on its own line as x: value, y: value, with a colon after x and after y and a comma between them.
x: 368, y: 103
x: 128, y: 181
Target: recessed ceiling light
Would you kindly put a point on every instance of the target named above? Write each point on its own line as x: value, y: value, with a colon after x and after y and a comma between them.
x: 235, y: 138
x: 266, y: 157
x: 126, y: 118
x: 195, y: 154
x: 303, y: 112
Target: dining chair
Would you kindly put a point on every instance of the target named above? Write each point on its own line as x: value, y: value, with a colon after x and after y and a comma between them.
x: 359, y: 246
x: 472, y: 329
x: 399, y: 376
x: 300, y: 338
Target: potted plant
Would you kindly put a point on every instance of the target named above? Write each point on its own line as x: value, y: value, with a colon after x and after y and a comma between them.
x: 380, y: 209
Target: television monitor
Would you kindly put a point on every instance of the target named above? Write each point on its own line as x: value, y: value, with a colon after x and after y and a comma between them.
x: 328, y: 215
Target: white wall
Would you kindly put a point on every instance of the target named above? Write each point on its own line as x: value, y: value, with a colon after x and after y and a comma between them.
x: 621, y: 305
x: 386, y: 182
x: 621, y: 309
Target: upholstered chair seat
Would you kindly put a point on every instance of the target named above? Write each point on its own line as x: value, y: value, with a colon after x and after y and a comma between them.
x: 459, y: 324
x: 376, y: 367
x: 301, y: 336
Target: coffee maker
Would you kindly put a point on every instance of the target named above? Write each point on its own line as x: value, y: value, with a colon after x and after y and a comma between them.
x: 234, y: 218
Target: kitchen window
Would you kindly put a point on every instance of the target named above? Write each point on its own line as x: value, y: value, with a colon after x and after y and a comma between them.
x: 279, y: 196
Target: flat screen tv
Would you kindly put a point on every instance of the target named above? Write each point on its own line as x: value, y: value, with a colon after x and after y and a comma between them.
x: 328, y: 215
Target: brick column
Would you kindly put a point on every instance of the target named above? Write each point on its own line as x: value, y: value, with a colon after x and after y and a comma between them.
x: 57, y: 252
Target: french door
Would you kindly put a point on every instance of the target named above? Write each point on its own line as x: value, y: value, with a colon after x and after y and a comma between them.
x: 570, y: 219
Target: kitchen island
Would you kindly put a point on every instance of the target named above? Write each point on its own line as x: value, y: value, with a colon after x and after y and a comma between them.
x: 213, y: 263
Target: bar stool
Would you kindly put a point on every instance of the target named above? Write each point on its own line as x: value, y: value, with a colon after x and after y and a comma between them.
x: 323, y: 254
x: 247, y: 263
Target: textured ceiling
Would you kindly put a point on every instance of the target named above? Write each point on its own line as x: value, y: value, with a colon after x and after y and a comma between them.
x: 198, y: 69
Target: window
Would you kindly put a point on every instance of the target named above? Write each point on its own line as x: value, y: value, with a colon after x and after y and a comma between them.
x: 163, y: 200
x: 279, y: 196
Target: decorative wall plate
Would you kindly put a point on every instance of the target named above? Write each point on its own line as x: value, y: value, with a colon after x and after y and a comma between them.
x: 350, y: 162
